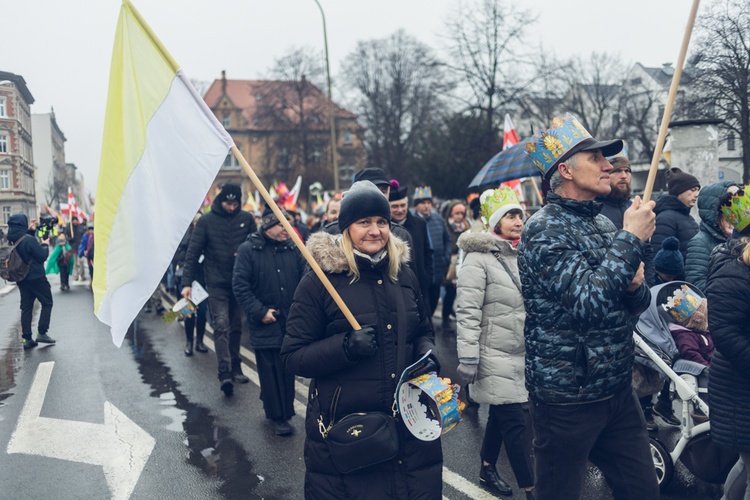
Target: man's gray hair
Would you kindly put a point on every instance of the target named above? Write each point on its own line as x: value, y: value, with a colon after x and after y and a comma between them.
x: 556, y: 180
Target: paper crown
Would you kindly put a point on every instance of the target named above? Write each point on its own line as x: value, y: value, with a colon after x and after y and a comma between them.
x: 553, y: 143
x: 429, y: 406
x: 422, y: 193
x: 737, y: 212
x: 684, y: 302
x: 494, y: 203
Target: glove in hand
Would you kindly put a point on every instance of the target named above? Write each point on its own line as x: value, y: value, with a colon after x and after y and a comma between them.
x: 467, y: 374
x: 360, y: 344
x: 431, y: 365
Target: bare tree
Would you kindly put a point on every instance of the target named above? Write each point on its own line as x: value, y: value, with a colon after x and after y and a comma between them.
x: 486, y: 45
x: 721, y: 69
x: 594, y: 85
x: 296, y: 109
x: 398, y: 84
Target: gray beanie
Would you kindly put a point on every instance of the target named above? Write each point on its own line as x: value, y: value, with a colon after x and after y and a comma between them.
x: 363, y: 199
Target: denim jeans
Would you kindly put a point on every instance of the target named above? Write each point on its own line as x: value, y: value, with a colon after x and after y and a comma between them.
x: 610, y: 433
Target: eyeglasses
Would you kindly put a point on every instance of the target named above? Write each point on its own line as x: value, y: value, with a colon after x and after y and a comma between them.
x: 740, y: 193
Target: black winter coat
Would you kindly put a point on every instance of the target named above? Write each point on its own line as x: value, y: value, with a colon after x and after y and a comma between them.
x: 29, y: 249
x: 180, y: 256
x: 313, y: 347
x: 421, y: 250
x: 266, y: 274
x: 217, y: 236
x: 702, y: 244
x: 673, y: 219
x: 727, y: 292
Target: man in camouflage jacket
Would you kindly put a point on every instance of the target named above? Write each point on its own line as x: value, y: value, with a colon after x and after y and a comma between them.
x: 582, y: 284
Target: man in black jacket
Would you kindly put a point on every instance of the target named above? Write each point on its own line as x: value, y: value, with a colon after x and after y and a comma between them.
x: 417, y: 228
x: 673, y: 210
x: 214, y: 242
x: 266, y: 274
x: 35, y: 285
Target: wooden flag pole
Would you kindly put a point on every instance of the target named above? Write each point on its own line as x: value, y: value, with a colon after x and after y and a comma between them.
x: 293, y: 234
x: 670, y: 103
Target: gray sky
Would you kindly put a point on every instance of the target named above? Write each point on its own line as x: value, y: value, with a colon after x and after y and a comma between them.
x: 63, y: 47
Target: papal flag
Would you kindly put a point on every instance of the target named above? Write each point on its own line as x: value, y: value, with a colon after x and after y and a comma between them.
x: 161, y: 151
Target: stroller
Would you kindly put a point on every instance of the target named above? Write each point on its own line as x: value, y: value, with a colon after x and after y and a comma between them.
x: 657, y: 359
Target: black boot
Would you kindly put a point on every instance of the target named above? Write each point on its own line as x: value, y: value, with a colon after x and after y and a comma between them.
x: 488, y: 477
x: 199, y: 343
x: 189, y: 344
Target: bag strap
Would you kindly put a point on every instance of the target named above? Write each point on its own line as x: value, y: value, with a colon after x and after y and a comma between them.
x: 507, y: 270
x: 322, y: 428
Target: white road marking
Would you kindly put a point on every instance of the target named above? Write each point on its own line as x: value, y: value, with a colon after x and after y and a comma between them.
x: 119, y: 445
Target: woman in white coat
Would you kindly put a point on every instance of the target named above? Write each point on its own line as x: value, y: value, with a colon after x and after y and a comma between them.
x: 490, y: 316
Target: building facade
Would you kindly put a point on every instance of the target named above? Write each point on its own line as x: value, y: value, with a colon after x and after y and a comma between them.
x: 282, y: 129
x: 52, y: 174
x: 17, y: 187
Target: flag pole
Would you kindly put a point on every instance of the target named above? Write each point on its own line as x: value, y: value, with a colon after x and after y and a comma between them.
x: 670, y: 103
x: 297, y: 241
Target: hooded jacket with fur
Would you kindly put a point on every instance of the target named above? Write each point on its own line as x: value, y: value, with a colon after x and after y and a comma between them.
x: 314, y: 347
x: 490, y: 317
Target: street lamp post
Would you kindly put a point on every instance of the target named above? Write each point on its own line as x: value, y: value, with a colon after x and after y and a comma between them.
x: 334, y: 161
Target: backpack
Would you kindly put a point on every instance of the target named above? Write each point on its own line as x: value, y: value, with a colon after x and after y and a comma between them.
x: 12, y: 266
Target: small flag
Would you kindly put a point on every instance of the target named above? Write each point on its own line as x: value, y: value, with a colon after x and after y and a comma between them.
x: 161, y: 151
x: 667, y: 151
x: 510, y: 137
x: 294, y: 193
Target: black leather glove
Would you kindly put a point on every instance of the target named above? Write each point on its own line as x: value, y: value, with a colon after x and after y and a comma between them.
x: 431, y: 365
x: 360, y: 344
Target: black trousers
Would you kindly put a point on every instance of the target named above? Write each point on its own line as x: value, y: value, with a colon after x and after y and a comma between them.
x: 64, y: 270
x: 434, y: 293
x: 196, y: 322
x: 448, y: 299
x: 37, y: 289
x: 506, y: 423
x: 227, y: 330
x: 276, y: 385
x: 611, y: 433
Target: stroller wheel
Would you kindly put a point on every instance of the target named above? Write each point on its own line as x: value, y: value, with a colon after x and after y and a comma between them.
x: 662, y: 463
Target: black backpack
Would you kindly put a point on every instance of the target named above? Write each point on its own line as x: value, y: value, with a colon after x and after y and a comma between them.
x: 12, y: 266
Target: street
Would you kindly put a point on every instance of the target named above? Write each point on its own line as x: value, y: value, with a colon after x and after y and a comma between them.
x: 83, y: 419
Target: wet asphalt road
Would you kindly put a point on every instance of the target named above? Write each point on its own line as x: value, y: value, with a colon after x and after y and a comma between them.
x: 206, y: 445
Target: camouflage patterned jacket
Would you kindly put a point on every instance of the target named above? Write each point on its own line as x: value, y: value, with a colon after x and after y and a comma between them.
x: 575, y: 269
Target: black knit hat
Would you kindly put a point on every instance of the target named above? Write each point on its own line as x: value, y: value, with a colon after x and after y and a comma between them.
x: 678, y: 181
x: 363, y: 199
x: 669, y: 260
x: 372, y: 174
x: 269, y: 219
x: 230, y: 192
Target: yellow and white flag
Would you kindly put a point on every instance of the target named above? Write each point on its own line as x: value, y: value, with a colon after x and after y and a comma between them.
x: 161, y: 151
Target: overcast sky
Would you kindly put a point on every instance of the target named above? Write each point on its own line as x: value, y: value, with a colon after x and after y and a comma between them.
x: 63, y: 47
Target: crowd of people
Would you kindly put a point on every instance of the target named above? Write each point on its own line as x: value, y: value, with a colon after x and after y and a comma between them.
x: 543, y: 307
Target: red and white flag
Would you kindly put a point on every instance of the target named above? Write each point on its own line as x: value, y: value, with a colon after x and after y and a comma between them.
x: 71, y: 208
x: 510, y: 137
x: 517, y: 186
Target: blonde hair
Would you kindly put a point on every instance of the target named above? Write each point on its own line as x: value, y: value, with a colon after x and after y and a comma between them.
x: 745, y: 257
x: 394, y: 257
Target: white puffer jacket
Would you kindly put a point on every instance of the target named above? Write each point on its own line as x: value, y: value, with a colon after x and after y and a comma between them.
x: 490, y: 315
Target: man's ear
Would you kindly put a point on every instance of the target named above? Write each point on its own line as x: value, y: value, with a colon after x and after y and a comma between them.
x: 565, y: 170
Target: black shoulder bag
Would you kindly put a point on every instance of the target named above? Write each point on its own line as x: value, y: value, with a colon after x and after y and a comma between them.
x: 364, y: 439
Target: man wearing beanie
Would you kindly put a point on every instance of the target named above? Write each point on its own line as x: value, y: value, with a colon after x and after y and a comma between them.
x: 417, y: 228
x: 673, y: 210
x: 267, y: 271
x: 216, y: 238
x: 439, y: 238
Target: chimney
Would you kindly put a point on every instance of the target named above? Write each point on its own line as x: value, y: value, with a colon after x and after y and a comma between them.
x: 223, y: 81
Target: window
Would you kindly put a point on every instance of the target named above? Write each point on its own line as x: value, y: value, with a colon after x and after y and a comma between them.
x: 3, y: 111
x: 347, y: 137
x: 347, y: 172
x: 284, y: 159
x: 636, y: 81
x: 730, y: 142
x: 3, y: 143
x: 225, y: 120
x: 231, y: 162
x: 4, y: 179
x: 6, y: 215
